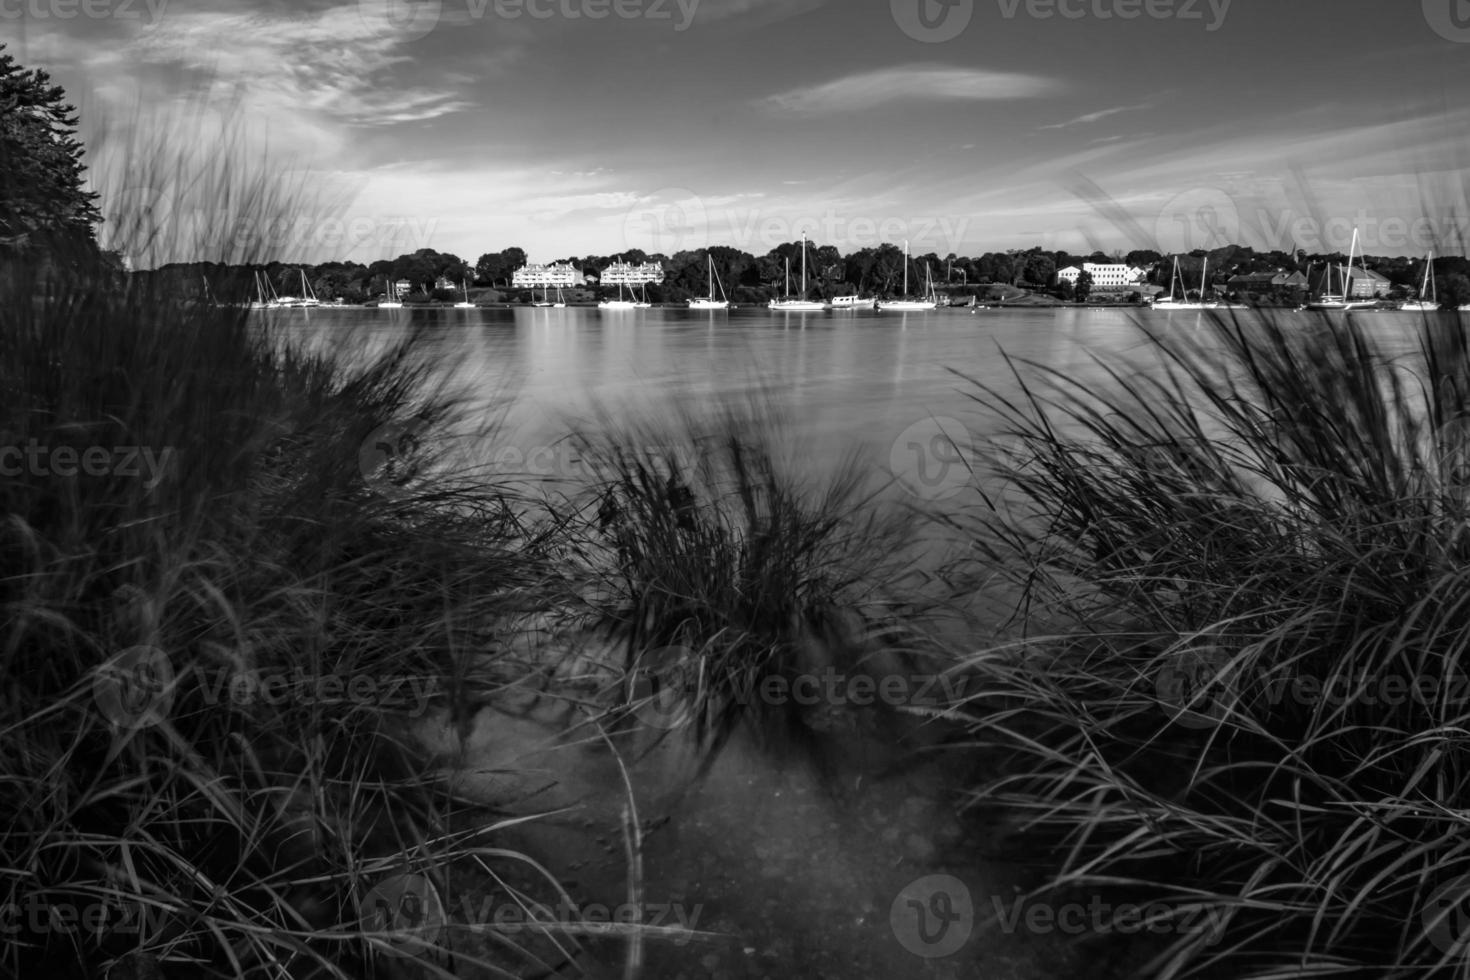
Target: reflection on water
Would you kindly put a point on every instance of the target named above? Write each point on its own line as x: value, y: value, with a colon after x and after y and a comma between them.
x: 843, y: 379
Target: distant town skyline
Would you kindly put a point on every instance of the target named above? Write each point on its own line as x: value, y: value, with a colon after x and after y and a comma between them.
x: 573, y: 127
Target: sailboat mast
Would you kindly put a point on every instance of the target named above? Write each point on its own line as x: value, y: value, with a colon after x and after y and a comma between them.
x: 803, y: 265
x: 905, y: 267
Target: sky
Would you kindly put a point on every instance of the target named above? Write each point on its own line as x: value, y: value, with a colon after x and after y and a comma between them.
x: 579, y: 127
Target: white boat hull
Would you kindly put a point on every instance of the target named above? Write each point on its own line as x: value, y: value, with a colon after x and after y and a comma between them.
x: 908, y: 304
x: 797, y: 306
x: 852, y: 303
x: 709, y: 304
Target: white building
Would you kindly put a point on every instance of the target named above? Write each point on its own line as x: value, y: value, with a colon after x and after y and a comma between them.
x: 556, y: 274
x: 1117, y: 276
x: 628, y: 274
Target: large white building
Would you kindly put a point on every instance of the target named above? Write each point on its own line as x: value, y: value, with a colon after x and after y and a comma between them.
x: 557, y: 274
x: 1105, y: 276
x: 628, y: 274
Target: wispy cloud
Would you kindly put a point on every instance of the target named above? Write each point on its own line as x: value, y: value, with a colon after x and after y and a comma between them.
x: 909, y: 83
x: 1093, y: 117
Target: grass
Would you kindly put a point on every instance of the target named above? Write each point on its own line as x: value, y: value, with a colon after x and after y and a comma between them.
x: 1197, y: 551
x: 719, y: 566
x: 223, y: 619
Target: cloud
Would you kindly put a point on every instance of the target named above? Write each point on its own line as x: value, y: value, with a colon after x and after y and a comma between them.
x: 1093, y: 117
x: 865, y: 90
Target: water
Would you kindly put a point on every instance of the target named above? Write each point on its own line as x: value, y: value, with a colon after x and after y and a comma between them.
x: 795, y: 882
x: 849, y: 379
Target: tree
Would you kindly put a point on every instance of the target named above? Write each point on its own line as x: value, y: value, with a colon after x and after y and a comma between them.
x: 41, y: 184
x: 1083, y: 287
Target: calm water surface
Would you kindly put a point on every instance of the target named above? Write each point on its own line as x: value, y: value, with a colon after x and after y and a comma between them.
x: 843, y: 380
x: 793, y: 882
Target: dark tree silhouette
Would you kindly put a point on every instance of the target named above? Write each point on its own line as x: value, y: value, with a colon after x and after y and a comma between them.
x: 41, y: 182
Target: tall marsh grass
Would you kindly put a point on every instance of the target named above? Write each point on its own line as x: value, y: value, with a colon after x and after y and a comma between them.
x: 220, y: 624
x: 1235, y: 680
x: 720, y: 563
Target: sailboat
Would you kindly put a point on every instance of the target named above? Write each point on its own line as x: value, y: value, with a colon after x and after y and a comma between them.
x: 641, y: 302
x: 710, y: 303
x: 545, y: 300
x: 802, y: 304
x: 262, y: 287
x: 1169, y: 302
x: 930, y: 302
x: 390, y: 299
x: 308, y: 297
x: 465, y: 303
x: 1184, y: 302
x: 1428, y: 301
x: 617, y: 304
x: 1341, y: 301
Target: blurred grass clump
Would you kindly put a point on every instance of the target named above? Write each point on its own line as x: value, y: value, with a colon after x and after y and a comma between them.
x: 1235, y: 679
x: 223, y: 616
